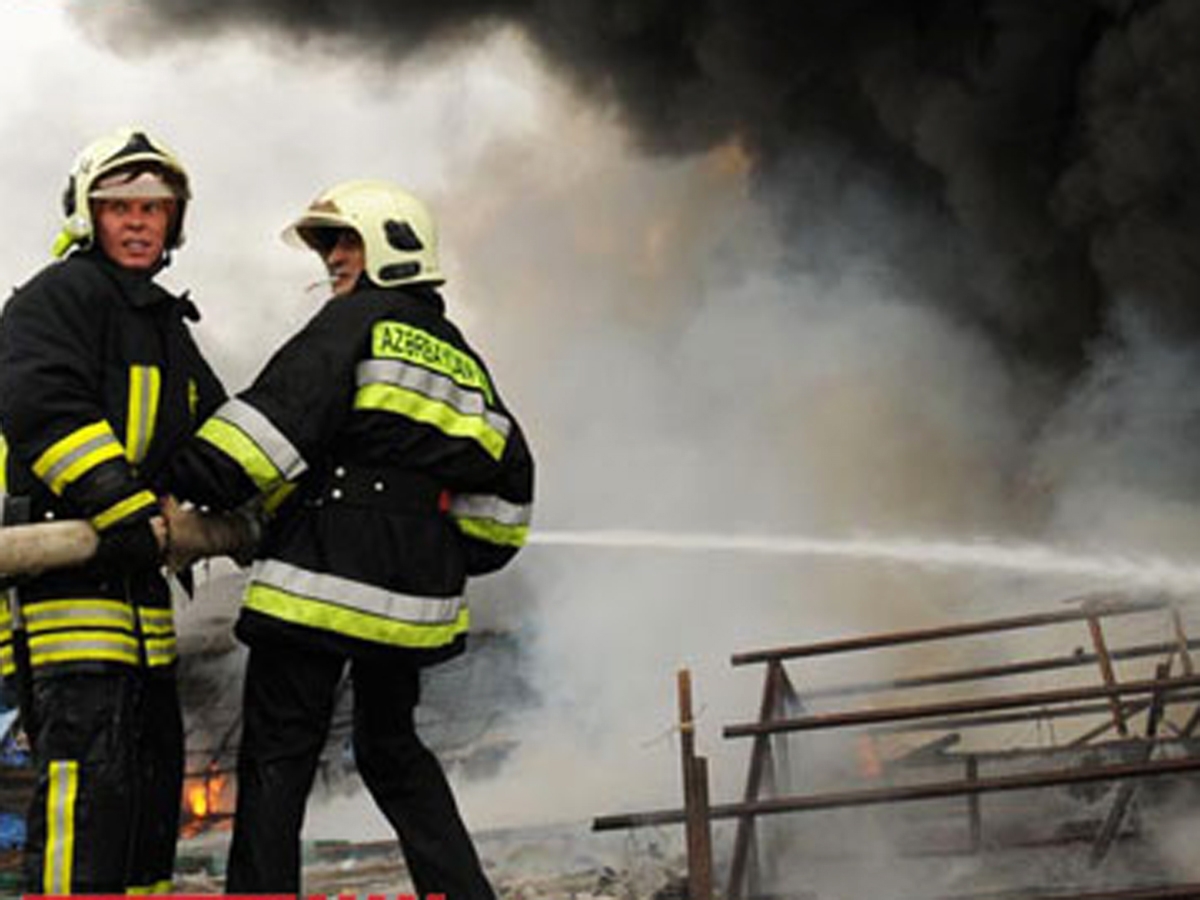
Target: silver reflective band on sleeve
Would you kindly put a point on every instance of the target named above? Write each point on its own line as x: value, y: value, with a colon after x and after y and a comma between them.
x: 344, y: 592
x: 273, y: 442
x: 49, y: 614
x: 66, y: 647
x: 96, y: 449
x: 489, y: 506
x: 434, y: 386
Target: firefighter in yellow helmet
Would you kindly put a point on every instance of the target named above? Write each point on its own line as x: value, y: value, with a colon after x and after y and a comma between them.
x: 100, y: 380
x: 407, y: 475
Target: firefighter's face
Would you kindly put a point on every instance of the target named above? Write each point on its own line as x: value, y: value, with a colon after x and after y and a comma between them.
x: 344, y: 260
x: 133, y: 231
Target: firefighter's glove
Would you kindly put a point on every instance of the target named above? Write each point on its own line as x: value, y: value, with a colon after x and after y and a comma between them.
x: 131, y: 548
x: 196, y: 535
x: 247, y: 528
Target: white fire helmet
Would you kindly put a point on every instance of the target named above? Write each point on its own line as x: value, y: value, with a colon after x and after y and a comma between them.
x: 126, y: 163
x: 397, y: 230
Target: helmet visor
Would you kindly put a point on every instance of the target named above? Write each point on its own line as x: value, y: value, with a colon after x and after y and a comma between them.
x: 141, y: 183
x: 316, y: 231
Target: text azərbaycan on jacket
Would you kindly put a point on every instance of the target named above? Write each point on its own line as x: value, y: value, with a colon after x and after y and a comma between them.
x: 402, y: 470
x: 99, y: 380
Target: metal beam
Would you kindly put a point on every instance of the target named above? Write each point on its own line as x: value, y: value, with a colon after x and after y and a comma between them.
x: 908, y: 793
x: 983, y: 704
x: 1103, y: 605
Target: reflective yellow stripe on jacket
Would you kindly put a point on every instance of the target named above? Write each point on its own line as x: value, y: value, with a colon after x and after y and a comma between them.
x: 489, y: 518
x: 145, y: 386
x: 7, y: 663
x: 123, y: 509
x: 77, y: 630
x: 340, y: 605
x: 70, y: 458
x: 251, y: 440
x: 394, y: 386
x: 158, y: 635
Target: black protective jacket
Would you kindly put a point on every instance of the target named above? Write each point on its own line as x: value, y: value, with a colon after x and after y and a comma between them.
x: 100, y: 380
x: 395, y: 469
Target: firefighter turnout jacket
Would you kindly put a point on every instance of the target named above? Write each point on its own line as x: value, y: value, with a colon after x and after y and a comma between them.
x: 100, y: 380
x: 400, y: 469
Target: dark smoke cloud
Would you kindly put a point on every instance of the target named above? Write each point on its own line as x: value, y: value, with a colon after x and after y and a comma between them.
x: 1049, y: 150
x: 1059, y: 140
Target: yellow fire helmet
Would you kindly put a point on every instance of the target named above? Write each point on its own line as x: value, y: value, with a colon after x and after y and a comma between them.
x: 397, y: 230
x: 127, y: 150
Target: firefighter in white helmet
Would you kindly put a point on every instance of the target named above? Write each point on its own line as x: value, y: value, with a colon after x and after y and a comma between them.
x: 100, y: 380
x: 404, y: 474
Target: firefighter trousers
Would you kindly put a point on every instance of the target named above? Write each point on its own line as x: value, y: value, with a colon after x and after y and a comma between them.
x: 104, y: 815
x: 289, y: 700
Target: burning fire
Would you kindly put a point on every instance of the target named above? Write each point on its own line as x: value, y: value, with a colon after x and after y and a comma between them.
x: 202, y: 796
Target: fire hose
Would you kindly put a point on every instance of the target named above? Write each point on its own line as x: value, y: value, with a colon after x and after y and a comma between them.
x: 37, y: 547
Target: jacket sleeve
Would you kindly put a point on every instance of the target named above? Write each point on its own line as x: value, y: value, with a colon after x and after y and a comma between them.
x: 51, y: 409
x: 262, y: 440
x: 493, y: 515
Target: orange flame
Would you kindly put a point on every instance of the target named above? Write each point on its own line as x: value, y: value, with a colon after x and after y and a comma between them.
x: 202, y: 796
x: 197, y: 800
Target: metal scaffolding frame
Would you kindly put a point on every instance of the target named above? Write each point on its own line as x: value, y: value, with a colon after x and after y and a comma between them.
x: 783, y: 713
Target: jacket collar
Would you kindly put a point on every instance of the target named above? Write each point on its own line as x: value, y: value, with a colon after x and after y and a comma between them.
x: 421, y: 293
x: 137, y: 286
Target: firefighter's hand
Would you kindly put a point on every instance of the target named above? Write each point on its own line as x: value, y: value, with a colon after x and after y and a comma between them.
x: 132, y: 548
x: 185, y: 535
x: 195, y: 535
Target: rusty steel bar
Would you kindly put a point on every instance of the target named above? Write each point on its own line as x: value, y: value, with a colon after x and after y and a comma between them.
x: 984, y: 673
x: 1129, y: 710
x: 1116, y: 813
x: 760, y: 758
x: 1107, y: 674
x: 1190, y: 727
x: 1069, y: 712
x: 984, y: 704
x: 907, y: 793
x: 1107, y: 605
x: 699, y: 846
x: 700, y: 875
